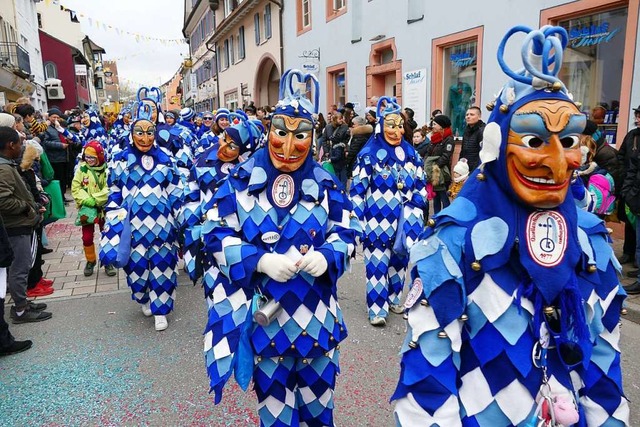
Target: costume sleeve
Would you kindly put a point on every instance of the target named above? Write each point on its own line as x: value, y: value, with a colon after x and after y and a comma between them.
x: 360, y: 185
x: 71, y: 137
x: 222, y: 236
x: 36, y: 127
x: 190, y: 221
x: 77, y: 191
x: 342, y: 228
x: 175, y: 189
x: 427, y: 391
x: 101, y: 196
x: 115, y: 186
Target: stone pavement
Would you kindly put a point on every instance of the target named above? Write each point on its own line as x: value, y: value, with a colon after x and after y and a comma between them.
x: 66, y: 263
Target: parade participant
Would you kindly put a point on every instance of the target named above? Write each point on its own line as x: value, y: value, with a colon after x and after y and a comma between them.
x: 185, y: 119
x: 90, y: 191
x: 387, y: 168
x: 144, y: 201
x: 170, y: 118
x: 211, y: 137
x: 515, y: 306
x: 93, y: 130
x: 235, y: 145
x: 121, y: 125
x: 282, y: 231
x: 200, y: 126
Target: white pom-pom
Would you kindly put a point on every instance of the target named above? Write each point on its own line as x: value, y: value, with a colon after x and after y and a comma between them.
x: 491, y: 139
x: 511, y: 95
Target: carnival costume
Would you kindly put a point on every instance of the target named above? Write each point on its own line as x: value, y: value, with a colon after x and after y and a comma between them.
x: 145, y: 199
x: 515, y: 306
x: 92, y: 129
x: 210, y: 137
x: 389, y: 195
x: 282, y: 231
x: 121, y: 125
x: 235, y: 145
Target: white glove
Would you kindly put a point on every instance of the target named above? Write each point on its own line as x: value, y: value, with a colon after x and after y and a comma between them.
x: 59, y: 128
x: 313, y: 263
x: 279, y: 267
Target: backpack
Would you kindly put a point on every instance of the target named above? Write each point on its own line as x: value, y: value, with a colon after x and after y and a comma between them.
x: 603, y: 188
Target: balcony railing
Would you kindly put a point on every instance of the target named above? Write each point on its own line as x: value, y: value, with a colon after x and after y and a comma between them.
x: 15, y: 58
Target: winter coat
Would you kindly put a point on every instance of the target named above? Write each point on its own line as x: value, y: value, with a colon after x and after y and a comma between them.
x: 631, y: 185
x: 607, y: 158
x: 359, y: 136
x: 90, y: 182
x: 17, y: 206
x: 52, y: 144
x: 629, y: 148
x: 6, y: 252
x: 471, y: 144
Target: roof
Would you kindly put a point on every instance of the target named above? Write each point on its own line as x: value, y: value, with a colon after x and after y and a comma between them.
x: 94, y: 47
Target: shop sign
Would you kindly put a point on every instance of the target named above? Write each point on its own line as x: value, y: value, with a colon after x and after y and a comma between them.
x: 81, y: 69
x: 310, y: 67
x: 591, y: 35
x: 414, y: 93
x: 462, y: 59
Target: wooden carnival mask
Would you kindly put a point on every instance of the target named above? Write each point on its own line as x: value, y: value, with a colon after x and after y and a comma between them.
x: 290, y: 140
x: 228, y: 150
x: 393, y: 129
x: 143, y: 135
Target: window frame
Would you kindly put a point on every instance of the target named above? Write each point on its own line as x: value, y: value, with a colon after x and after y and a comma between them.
x: 333, y: 13
x: 301, y: 27
x: 55, y: 70
x: 267, y: 21
x: 242, y: 53
x: 256, y: 24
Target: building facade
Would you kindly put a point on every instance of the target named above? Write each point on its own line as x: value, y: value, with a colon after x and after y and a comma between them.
x: 172, y: 92
x: 16, y: 77
x: 237, y: 54
x: 27, y: 21
x: 442, y: 59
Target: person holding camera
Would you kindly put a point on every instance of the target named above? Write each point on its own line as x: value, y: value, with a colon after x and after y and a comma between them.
x: 282, y: 231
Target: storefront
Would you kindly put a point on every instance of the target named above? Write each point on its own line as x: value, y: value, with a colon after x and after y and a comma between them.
x: 597, y: 68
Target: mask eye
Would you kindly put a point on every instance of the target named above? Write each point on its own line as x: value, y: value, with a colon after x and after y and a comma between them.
x: 281, y: 132
x: 571, y: 141
x: 302, y: 135
x: 532, y: 141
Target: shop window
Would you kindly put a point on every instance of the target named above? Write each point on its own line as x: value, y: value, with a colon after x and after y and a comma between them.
x: 231, y: 100
x: 596, y: 46
x: 336, y: 8
x: 337, y: 79
x: 267, y: 21
x: 303, y: 15
x: 457, y: 63
x: 256, y: 24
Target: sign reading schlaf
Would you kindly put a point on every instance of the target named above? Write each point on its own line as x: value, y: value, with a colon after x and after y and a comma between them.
x: 591, y: 35
x: 414, y: 93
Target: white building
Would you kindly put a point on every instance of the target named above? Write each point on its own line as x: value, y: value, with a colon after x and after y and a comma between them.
x: 27, y: 22
x: 445, y: 57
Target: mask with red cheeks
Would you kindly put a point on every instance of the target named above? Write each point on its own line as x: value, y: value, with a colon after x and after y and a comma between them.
x: 228, y: 150
x: 143, y: 135
x: 543, y: 150
x: 290, y: 141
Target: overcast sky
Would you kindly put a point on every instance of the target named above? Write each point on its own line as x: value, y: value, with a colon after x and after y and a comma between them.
x: 147, y: 62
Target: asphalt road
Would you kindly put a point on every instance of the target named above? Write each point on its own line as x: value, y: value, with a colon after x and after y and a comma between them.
x: 100, y: 362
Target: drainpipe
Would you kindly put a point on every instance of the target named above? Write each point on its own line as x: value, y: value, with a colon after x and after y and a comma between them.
x: 280, y: 5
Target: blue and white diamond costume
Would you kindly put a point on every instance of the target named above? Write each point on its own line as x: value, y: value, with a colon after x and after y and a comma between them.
x: 147, y: 186
x: 94, y: 131
x: 387, y: 190
x: 206, y: 175
x: 262, y: 212
x: 515, y: 308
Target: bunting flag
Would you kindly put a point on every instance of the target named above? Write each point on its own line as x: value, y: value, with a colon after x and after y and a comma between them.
x: 139, y: 38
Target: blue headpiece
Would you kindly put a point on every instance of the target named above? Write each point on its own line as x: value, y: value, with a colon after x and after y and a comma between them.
x: 222, y: 112
x: 143, y: 112
x: 386, y: 105
x: 541, y: 53
x: 245, y: 133
x: 293, y: 101
x: 154, y: 95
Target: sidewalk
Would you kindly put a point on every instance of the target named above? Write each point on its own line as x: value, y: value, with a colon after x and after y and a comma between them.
x: 66, y: 263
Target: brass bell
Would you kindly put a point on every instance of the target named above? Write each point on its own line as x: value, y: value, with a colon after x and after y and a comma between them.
x: 481, y: 177
x: 259, y: 359
x: 556, y: 86
x: 591, y: 268
x: 273, y: 343
x: 442, y: 334
x: 424, y: 302
x: 293, y: 346
x: 405, y: 316
x: 491, y: 105
x: 504, y: 108
x: 413, y: 344
x: 338, y: 347
x: 549, y: 310
x: 463, y: 318
x: 400, y: 186
x: 624, y: 311
x: 304, y: 361
x: 280, y: 359
x: 475, y: 266
x: 431, y: 222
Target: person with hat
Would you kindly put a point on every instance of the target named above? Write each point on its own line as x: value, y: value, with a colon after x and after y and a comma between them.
x: 282, y: 231
x: 514, y: 311
x: 186, y: 119
x: 388, y: 193
x: 90, y: 191
x: 460, y: 175
x: 234, y: 146
x: 141, y: 217
x: 437, y: 164
x: 210, y: 138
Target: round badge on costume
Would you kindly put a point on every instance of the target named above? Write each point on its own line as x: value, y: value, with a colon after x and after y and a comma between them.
x: 546, y: 237
x: 282, y: 190
x: 414, y: 293
x: 270, y: 237
x: 400, y: 153
x: 147, y: 162
x: 226, y: 167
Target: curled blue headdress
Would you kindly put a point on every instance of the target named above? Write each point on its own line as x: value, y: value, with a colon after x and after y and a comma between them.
x: 154, y: 95
x: 245, y: 133
x: 541, y: 54
x: 143, y: 112
x: 386, y: 105
x: 293, y: 102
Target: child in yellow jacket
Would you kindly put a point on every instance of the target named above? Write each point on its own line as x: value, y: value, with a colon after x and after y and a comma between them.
x: 89, y: 188
x: 460, y: 175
